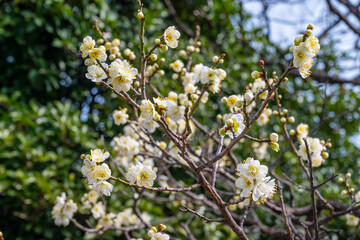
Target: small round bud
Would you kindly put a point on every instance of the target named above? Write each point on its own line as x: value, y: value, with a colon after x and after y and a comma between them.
x: 136, y: 84
x: 164, y: 48
x: 308, y: 32
x: 325, y: 155
x: 239, y: 104
x: 222, y: 131
x: 299, y: 38
x: 194, y: 97
x: 116, y: 42
x: 151, y: 233
x: 190, y: 48
x: 161, y: 72
x: 157, y: 117
x: 275, y: 113
x: 274, y: 137
x: 344, y: 192
x: 275, y: 147
x: 100, y: 41
x: 310, y: 26
x: 127, y: 52
x: 112, y: 57
x: 285, y: 111
x: 255, y: 74
x: 347, y: 185
x: 283, y: 120
x: 157, y: 41
x: 215, y: 59
x: 286, y: 79
x: 219, y: 117
x: 175, y: 76
x: 161, y: 227
x: 341, y: 180
x: 89, y: 62
x: 224, y: 100
x: 198, y: 43
x: 107, y: 45
x: 182, y: 53
x: 229, y: 122
x: 83, y: 156
x: 132, y: 56
x: 292, y: 132
x: 352, y: 190
x: 328, y: 145
x: 322, y: 142
x: 348, y: 175
x: 140, y: 15
x: 280, y: 97
x: 188, y: 104
x: 261, y: 62
x: 221, y: 61
x: 291, y: 119
x: 248, y: 96
x: 153, y: 57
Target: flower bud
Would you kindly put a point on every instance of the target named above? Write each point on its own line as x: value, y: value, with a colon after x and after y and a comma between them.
x: 275, y: 147
x: 248, y: 96
x: 136, y: 84
x: 89, y: 62
x: 224, y: 100
x: 299, y: 38
x: 190, y: 48
x: 352, y: 190
x: 344, y: 192
x: 182, y: 53
x: 283, y: 120
x: 198, y: 43
x: 127, y: 52
x: 310, y: 26
x: 219, y: 117
x: 274, y: 137
x: 325, y: 155
x: 348, y: 175
x: 308, y: 32
x: 116, y: 42
x: 100, y: 41
x: 341, y: 180
x: 83, y: 156
x: 162, y: 60
x: 151, y: 233
x: 107, y: 45
x: 112, y: 57
x: 161, y: 227
x: 161, y: 72
x: 229, y: 122
x: 239, y: 104
x: 255, y: 74
x: 292, y: 132
x: 164, y: 48
x: 157, y: 117
x: 222, y: 132
x: 215, y: 59
x: 291, y: 119
x: 328, y: 145
x: 261, y: 62
x: 291, y: 49
x: 153, y: 57
x: 275, y: 113
x: 285, y: 111
x: 194, y: 97
x: 188, y: 104
x: 221, y: 61
x: 140, y: 15
x: 157, y: 41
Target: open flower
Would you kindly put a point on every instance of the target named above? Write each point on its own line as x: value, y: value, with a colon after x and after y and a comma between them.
x: 171, y: 37
x: 122, y: 75
x: 99, y: 155
x: 87, y: 46
x: 147, y: 110
x: 96, y: 73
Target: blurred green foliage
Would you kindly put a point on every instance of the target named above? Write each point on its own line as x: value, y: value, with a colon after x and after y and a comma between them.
x: 50, y: 113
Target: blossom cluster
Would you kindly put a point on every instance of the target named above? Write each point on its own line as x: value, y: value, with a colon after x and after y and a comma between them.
x: 304, y: 50
x: 316, y: 147
x: 253, y: 182
x: 63, y: 210
x: 96, y: 172
x: 142, y: 175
